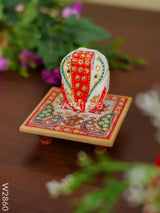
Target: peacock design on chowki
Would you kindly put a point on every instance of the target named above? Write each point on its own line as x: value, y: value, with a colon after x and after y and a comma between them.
x: 46, y: 116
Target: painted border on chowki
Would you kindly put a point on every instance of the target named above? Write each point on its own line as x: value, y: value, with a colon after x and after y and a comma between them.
x: 47, y: 133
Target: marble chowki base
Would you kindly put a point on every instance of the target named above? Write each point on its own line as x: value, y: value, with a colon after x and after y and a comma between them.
x: 52, y: 118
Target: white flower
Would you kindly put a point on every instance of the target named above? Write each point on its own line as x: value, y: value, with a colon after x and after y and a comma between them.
x: 54, y: 188
x: 82, y: 158
x: 82, y: 155
x: 139, y: 179
x: 67, y: 180
x: 139, y: 175
x: 135, y: 195
x: 156, y: 121
x: 149, y: 102
x: 66, y: 183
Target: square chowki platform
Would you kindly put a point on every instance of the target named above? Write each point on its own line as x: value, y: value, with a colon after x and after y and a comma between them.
x: 53, y: 118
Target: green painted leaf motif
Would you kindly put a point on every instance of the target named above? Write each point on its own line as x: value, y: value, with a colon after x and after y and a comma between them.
x: 100, y: 78
x: 47, y: 112
x: 64, y: 72
x: 105, y: 122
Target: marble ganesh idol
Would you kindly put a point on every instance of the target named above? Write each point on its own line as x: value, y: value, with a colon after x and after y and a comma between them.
x: 85, y: 79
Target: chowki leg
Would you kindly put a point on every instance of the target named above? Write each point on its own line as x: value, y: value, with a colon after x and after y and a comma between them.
x: 45, y: 140
x: 100, y: 149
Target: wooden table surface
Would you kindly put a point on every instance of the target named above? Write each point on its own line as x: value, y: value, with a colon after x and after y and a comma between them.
x: 27, y: 165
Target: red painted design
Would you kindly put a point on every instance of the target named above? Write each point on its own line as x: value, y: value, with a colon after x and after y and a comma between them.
x: 111, y: 104
x: 158, y: 161
x: 100, y: 102
x: 45, y: 140
x: 80, y: 62
x: 64, y: 95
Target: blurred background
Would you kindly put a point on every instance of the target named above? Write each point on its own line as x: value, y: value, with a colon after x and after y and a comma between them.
x: 153, y: 5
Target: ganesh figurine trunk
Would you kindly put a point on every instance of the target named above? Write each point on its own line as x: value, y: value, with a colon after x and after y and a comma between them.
x: 85, y: 79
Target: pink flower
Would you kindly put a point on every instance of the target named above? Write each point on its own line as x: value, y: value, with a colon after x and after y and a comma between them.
x: 75, y: 9
x: 77, y: 6
x: 3, y: 64
x: 19, y: 7
x: 27, y: 59
x: 37, y: 60
x: 53, y: 77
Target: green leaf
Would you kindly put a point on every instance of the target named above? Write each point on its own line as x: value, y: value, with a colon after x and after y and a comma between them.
x: 83, y: 31
x: 102, y: 199
x: 114, y: 190
x: 1, y: 10
x: 13, y: 65
x: 140, y: 61
x: 50, y: 51
x: 116, y: 43
x: 33, y: 65
x: 30, y: 13
x: 12, y: 3
x: 23, y: 72
x: 125, y: 67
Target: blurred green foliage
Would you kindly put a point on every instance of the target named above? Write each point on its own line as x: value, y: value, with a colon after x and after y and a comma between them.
x: 110, y: 178
x: 40, y: 28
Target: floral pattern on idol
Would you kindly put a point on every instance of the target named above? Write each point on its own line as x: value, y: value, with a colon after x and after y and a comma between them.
x: 85, y: 79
